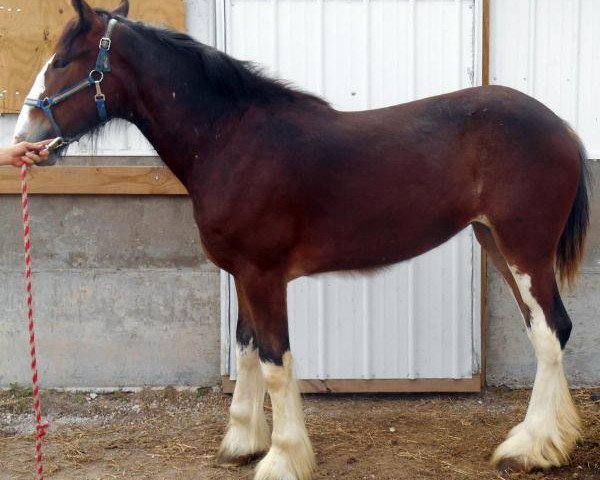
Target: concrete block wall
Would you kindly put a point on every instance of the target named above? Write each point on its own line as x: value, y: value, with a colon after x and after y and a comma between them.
x: 123, y: 293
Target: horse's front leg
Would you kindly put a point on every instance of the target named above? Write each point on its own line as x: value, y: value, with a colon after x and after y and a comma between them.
x: 248, y: 435
x: 290, y: 456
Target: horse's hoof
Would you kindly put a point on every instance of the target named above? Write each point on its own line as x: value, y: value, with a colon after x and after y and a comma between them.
x: 244, y: 444
x: 528, y: 448
x: 296, y: 464
x: 225, y: 458
x: 510, y: 465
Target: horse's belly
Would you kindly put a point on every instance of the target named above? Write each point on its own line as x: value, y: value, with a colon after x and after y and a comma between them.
x: 381, y: 241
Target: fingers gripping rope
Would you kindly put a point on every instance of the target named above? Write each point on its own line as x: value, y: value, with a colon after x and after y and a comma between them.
x: 40, y: 425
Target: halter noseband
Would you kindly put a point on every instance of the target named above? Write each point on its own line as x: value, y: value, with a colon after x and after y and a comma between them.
x: 95, y: 78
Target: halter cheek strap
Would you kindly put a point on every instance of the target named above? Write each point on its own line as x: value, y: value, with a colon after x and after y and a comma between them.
x: 95, y: 79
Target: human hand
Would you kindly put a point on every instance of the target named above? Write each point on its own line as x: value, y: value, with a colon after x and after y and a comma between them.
x: 24, y: 153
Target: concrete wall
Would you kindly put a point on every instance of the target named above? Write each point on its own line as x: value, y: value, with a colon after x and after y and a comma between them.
x: 511, y: 360
x: 123, y: 294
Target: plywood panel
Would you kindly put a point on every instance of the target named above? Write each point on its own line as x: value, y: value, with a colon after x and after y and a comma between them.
x: 94, y: 181
x: 30, y: 28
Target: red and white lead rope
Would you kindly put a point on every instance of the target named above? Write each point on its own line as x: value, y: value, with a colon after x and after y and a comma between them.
x: 40, y: 425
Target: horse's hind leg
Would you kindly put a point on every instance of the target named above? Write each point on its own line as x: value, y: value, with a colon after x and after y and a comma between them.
x: 248, y: 435
x: 486, y: 239
x: 290, y: 456
x: 550, y: 429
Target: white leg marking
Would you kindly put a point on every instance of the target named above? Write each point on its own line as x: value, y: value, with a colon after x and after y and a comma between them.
x: 39, y: 86
x: 291, y: 456
x: 551, y: 427
x: 248, y: 433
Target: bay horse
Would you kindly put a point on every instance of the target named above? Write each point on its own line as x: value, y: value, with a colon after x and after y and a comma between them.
x: 283, y: 185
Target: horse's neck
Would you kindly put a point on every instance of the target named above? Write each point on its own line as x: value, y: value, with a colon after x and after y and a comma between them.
x: 181, y: 134
x: 182, y: 127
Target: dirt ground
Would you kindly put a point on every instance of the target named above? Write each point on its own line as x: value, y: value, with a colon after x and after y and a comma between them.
x: 175, y: 435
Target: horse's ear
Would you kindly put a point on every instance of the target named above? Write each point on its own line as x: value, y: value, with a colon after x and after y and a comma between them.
x: 122, y: 9
x: 85, y: 12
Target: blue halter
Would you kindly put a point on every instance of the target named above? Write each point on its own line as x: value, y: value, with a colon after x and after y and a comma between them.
x: 95, y: 79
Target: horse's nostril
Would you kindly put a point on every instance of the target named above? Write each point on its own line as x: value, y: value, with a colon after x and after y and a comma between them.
x: 18, y: 139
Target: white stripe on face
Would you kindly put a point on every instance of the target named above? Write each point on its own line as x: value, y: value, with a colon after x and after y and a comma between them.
x: 39, y: 86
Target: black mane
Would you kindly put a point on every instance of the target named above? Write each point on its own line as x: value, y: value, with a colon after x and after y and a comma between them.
x: 235, y: 79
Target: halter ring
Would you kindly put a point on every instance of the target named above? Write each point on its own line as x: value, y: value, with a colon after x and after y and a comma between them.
x: 96, y: 76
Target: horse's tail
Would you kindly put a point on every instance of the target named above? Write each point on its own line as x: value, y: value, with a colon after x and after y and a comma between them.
x: 570, y: 247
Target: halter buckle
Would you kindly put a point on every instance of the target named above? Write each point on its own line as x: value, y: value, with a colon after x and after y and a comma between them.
x: 100, y: 96
x: 105, y: 43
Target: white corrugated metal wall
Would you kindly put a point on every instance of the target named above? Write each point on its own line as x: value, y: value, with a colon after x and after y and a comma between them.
x: 550, y: 49
x: 420, y: 319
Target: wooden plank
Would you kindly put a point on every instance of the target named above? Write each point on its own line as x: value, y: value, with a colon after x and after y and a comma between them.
x: 29, y: 30
x: 485, y: 77
x: 425, y: 385
x: 485, y: 61
x: 94, y: 181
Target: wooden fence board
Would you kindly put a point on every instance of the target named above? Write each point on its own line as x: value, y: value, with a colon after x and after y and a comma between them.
x: 94, y: 181
x: 29, y: 30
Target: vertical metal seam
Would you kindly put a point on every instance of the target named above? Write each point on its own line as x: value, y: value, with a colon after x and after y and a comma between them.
x: 577, y: 79
x: 221, y: 28
x: 368, y: 65
x: 321, y: 49
x: 366, y: 340
x: 456, y: 276
x: 532, y: 49
x: 412, y: 57
x: 321, y: 328
x: 410, y: 334
x: 240, y: 8
x: 320, y: 285
x: 275, y: 35
x: 410, y: 324
x: 459, y: 22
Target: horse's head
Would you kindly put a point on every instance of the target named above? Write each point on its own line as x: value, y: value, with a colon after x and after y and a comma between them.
x: 74, y: 92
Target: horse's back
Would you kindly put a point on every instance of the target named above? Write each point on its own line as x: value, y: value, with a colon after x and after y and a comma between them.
x: 418, y: 173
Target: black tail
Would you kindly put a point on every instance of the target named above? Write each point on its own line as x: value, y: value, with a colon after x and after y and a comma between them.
x: 570, y: 247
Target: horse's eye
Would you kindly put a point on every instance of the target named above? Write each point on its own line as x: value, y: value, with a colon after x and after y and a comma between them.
x: 60, y: 63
